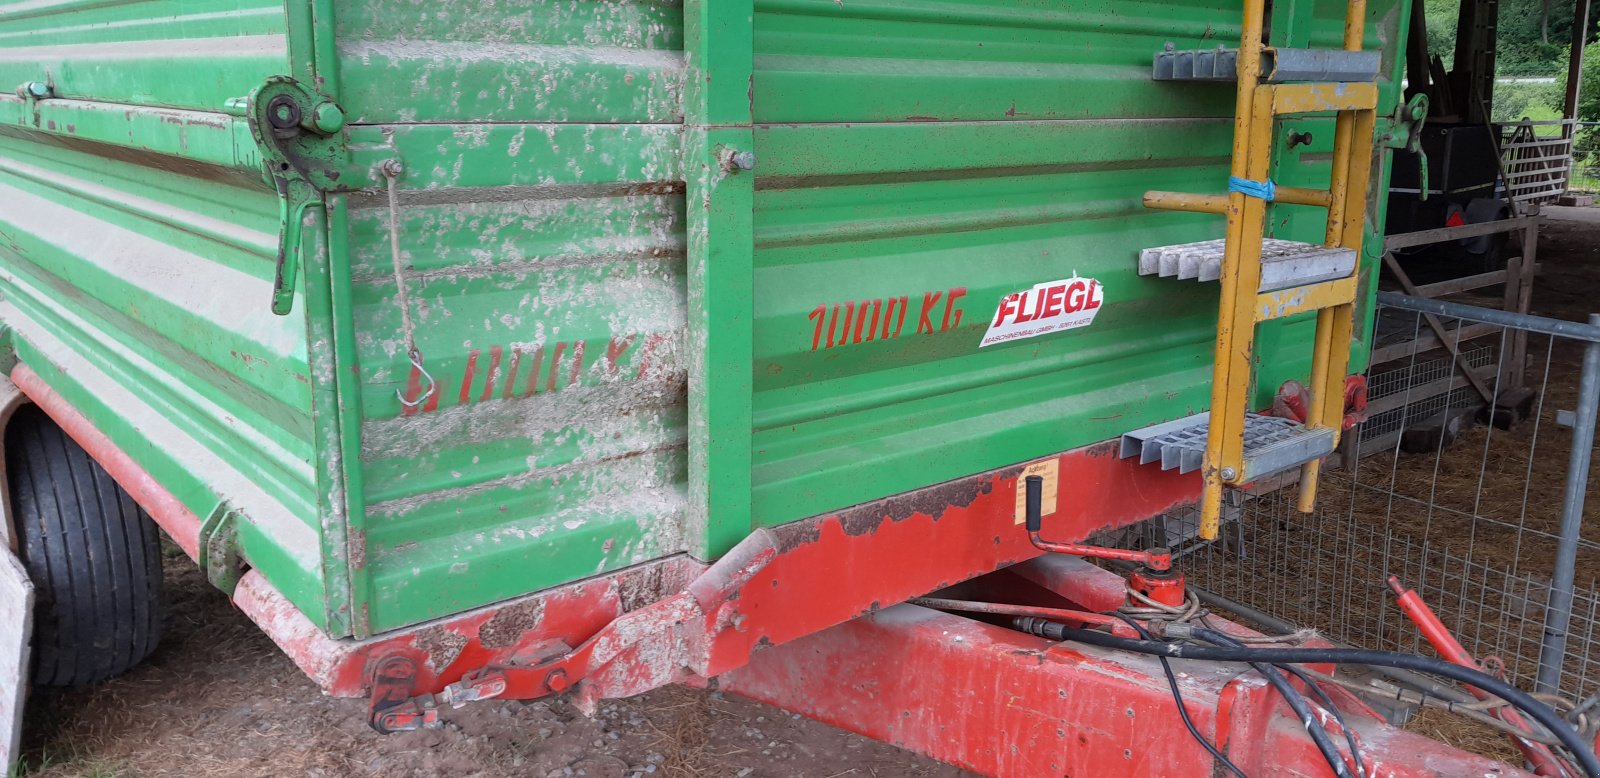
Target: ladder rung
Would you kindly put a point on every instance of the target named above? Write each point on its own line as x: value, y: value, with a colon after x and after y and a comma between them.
x: 1299, y: 299
x: 1278, y: 65
x: 1284, y: 263
x: 1218, y: 203
x: 1321, y: 65
x: 1271, y: 445
x: 1317, y: 98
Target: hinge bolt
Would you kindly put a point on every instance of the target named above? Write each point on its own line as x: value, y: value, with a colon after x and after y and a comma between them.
x: 327, y: 118
x: 1228, y: 473
x: 37, y: 90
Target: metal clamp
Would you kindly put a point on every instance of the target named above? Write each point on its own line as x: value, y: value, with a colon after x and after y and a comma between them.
x: 1404, y: 132
x: 219, y: 556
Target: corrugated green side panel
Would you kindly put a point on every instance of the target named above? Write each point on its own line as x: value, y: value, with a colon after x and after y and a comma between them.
x: 541, y: 230
x: 178, y: 53
x: 136, y: 283
x: 940, y: 155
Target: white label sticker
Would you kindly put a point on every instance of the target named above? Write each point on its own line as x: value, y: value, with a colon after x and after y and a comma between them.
x: 1048, y: 307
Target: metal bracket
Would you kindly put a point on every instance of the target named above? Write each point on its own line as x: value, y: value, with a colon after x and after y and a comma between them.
x: 297, y: 129
x: 391, y: 707
x: 1404, y: 131
x: 219, y: 548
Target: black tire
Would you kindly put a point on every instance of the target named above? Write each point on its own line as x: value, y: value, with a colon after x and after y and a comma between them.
x: 93, y: 554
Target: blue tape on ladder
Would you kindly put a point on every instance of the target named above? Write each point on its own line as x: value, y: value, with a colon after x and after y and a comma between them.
x: 1261, y: 190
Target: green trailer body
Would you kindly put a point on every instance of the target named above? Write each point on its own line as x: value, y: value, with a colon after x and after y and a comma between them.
x: 673, y: 272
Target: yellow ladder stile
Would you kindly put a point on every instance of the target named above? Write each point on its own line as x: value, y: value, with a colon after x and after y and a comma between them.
x: 1346, y: 221
x: 1225, y: 441
x: 1242, y: 305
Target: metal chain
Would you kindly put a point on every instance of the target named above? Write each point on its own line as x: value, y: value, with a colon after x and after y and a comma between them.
x: 391, y: 170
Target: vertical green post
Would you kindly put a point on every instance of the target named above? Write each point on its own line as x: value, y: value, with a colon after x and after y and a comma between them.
x: 718, y: 151
x: 330, y: 350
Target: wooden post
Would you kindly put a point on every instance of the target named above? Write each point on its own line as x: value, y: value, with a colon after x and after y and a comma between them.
x: 1569, y: 108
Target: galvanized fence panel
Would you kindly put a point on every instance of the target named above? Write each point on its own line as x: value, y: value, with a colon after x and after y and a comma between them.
x: 1477, y: 506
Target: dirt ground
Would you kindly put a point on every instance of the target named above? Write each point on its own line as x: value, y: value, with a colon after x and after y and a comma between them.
x: 219, y: 699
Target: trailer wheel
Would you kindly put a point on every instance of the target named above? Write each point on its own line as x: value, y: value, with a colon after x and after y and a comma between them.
x: 93, y: 554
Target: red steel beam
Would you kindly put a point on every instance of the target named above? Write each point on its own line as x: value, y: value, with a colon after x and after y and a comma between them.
x: 1003, y: 703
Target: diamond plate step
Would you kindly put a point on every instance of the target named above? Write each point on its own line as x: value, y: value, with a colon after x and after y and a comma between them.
x: 1284, y: 263
x: 1278, y: 65
x: 1271, y: 444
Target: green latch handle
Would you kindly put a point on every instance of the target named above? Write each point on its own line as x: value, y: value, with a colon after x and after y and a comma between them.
x: 1405, y: 132
x: 297, y: 130
x: 291, y: 215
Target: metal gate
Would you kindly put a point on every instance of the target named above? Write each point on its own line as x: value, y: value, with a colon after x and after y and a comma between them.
x: 1477, y: 506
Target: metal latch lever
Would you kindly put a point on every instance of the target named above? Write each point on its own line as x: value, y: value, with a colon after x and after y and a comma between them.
x: 1159, y: 559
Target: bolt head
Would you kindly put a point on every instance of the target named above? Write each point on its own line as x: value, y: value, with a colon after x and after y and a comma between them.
x: 744, y: 160
x: 1228, y: 474
x: 36, y: 89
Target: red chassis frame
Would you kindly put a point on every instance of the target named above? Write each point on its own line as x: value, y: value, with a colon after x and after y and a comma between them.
x: 680, y: 620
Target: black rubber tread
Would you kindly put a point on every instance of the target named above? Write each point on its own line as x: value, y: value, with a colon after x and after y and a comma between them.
x: 93, y: 554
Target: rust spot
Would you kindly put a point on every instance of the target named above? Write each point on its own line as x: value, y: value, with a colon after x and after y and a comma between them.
x: 646, y: 587
x: 1110, y: 448
x: 932, y: 502
x: 922, y: 118
x: 509, y: 624
x: 358, y: 550
x: 51, y: 125
x: 441, y: 645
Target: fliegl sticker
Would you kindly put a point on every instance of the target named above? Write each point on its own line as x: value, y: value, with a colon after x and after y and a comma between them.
x: 1049, y: 307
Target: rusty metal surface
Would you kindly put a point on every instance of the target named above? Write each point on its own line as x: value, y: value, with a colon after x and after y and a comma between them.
x: 677, y: 618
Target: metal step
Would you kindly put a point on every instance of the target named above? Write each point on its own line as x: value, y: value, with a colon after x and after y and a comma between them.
x: 1284, y: 263
x: 1277, y: 65
x: 1271, y: 445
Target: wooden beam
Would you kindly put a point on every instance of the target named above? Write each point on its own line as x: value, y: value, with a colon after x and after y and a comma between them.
x: 1458, y: 285
x: 1428, y: 342
x: 1434, y: 324
x: 1580, y: 29
x: 1424, y: 237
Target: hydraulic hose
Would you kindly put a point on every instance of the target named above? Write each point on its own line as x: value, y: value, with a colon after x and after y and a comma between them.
x: 1297, y: 703
x: 1547, y: 718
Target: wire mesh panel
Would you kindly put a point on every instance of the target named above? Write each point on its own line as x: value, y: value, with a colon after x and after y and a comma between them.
x: 1463, y: 501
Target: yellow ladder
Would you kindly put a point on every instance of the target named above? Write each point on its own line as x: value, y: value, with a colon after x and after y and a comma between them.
x: 1243, y: 305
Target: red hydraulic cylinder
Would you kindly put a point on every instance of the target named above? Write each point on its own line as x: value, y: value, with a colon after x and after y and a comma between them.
x: 1438, y: 635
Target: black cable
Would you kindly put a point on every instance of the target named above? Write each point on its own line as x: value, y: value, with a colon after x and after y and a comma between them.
x: 1338, y: 718
x: 1325, y: 700
x: 1177, y: 697
x: 1297, y: 702
x: 1539, y: 712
